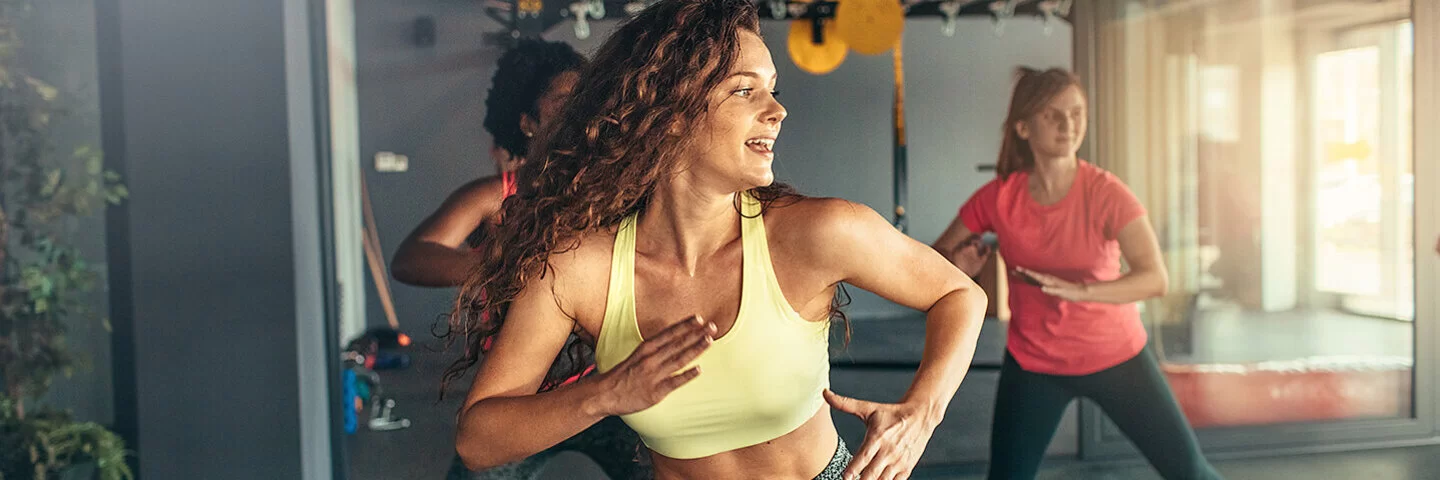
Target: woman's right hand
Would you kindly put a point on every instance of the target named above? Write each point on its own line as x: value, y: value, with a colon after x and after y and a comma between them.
x: 654, y: 369
x: 970, y: 255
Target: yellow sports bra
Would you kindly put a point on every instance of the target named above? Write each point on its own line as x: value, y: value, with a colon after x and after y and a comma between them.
x: 759, y: 381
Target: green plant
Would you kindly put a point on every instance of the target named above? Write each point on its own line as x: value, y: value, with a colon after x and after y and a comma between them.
x: 44, y: 279
x: 48, y: 441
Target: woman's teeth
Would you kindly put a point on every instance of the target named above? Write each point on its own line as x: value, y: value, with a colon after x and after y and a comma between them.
x: 762, y: 144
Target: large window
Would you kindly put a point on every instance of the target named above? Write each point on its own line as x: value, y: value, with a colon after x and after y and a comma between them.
x: 1363, y: 183
x: 1272, y: 143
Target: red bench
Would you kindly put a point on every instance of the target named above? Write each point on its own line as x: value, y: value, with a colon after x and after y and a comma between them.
x: 1304, y: 390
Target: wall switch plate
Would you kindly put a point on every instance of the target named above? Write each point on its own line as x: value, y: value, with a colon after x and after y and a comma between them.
x: 391, y: 162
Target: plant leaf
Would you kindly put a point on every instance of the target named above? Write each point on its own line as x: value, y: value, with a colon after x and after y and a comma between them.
x: 45, y: 90
x: 52, y: 182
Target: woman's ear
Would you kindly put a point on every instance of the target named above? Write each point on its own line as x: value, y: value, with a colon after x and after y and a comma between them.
x: 528, y: 125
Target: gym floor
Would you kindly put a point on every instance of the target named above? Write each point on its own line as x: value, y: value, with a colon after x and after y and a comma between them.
x: 424, y: 451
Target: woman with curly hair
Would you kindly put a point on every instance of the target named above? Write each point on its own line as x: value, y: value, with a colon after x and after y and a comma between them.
x: 532, y: 80
x: 650, y: 224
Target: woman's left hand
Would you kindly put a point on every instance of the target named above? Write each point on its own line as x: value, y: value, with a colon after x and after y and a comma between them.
x: 1052, y: 285
x: 895, y: 436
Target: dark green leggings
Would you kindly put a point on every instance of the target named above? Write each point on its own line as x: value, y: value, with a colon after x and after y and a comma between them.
x: 1133, y: 394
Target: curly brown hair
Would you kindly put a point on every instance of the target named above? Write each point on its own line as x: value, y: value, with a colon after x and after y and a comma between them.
x: 603, y: 157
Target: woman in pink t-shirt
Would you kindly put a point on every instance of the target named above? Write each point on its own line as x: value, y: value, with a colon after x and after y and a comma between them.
x: 1074, y: 330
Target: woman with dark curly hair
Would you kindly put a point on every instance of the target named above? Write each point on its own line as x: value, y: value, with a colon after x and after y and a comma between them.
x: 532, y: 80
x: 650, y: 224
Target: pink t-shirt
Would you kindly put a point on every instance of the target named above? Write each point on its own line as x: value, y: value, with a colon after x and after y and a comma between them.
x: 1073, y: 239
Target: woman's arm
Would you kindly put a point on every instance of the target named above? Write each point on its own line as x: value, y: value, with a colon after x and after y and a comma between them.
x: 863, y: 249
x: 1146, y: 279
x: 962, y: 248
x: 504, y: 420
x: 435, y: 254
x: 952, y: 237
x: 961, y: 245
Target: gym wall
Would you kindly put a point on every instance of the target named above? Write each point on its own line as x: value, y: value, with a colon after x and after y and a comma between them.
x: 428, y: 102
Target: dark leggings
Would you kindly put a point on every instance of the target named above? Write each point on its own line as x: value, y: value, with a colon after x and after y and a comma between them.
x: 610, y: 443
x: 1133, y: 394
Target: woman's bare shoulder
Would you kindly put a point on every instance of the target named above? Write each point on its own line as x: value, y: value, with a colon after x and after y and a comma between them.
x: 582, y: 274
x: 811, y: 217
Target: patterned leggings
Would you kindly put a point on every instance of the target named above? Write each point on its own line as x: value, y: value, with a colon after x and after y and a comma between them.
x: 837, y: 463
